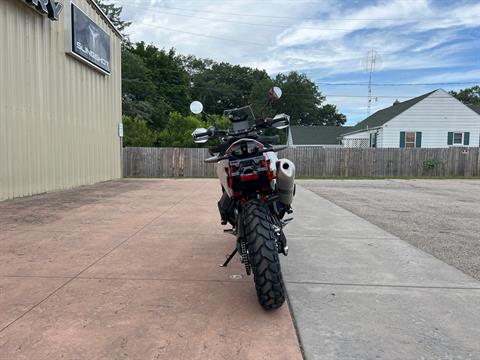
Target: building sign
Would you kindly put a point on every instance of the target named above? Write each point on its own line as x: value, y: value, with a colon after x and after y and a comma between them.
x: 89, y: 41
x: 48, y: 7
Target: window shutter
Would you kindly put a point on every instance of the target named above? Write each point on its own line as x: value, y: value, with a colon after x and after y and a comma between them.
x: 450, y: 138
x: 466, y: 138
x: 418, y: 139
x: 402, y: 139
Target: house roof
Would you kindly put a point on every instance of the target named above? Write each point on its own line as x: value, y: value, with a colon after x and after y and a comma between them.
x: 475, y: 108
x: 382, y: 116
x: 317, y: 135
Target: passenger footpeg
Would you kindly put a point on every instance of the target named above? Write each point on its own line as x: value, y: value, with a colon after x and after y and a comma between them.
x: 230, y: 231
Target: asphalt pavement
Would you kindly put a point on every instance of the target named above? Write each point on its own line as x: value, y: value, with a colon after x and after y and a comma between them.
x: 441, y: 217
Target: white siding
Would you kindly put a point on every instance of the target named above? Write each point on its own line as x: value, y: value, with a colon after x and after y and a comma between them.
x: 434, y: 116
x: 358, y: 135
x: 380, y: 137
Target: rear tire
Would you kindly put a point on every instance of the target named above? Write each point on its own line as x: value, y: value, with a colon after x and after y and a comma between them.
x: 263, y: 255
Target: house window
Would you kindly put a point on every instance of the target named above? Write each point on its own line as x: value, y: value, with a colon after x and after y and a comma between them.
x: 458, y: 138
x: 410, y: 139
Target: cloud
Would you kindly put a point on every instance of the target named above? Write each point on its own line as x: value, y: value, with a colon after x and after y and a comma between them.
x: 418, y: 40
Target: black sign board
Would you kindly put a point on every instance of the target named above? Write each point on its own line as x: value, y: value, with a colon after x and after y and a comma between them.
x: 89, y: 41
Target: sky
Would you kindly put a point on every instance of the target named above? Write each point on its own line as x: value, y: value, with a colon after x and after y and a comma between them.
x: 418, y: 45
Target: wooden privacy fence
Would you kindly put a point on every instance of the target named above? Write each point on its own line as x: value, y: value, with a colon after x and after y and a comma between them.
x: 313, y: 161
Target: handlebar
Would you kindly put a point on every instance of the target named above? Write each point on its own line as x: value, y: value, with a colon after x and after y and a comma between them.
x: 267, y: 123
x: 197, y: 135
x: 210, y: 133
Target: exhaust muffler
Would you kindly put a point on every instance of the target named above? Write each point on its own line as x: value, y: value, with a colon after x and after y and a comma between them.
x: 285, y: 180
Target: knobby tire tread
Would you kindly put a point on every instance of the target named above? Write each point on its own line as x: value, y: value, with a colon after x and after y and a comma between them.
x: 263, y: 255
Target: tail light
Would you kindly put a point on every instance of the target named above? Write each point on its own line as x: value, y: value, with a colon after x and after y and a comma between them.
x: 249, y: 177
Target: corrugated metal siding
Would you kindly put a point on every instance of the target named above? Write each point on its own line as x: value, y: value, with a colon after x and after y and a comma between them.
x: 58, y: 116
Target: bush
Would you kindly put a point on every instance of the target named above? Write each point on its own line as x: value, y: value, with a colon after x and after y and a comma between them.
x: 178, y: 132
x: 430, y: 165
x: 137, y: 133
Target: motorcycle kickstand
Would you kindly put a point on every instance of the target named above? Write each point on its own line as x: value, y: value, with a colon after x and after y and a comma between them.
x: 229, y: 258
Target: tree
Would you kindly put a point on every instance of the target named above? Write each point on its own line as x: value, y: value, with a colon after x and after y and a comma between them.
x: 137, y: 133
x: 154, y: 84
x: 221, y: 86
x: 469, y: 95
x: 178, y: 130
x: 301, y: 99
x: 194, y: 65
x: 114, y: 13
x: 158, y: 85
x: 329, y: 115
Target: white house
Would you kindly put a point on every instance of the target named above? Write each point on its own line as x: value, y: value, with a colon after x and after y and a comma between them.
x: 432, y: 120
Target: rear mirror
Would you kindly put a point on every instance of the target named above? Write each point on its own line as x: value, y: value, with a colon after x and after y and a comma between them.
x: 275, y: 93
x: 196, y: 107
x: 200, y: 139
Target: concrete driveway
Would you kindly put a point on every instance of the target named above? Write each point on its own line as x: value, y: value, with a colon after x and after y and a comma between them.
x: 129, y: 270
x: 359, y: 292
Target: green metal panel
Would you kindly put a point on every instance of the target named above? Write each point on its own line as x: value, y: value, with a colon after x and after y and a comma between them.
x: 418, y: 139
x: 450, y: 138
x: 466, y: 138
x: 402, y: 139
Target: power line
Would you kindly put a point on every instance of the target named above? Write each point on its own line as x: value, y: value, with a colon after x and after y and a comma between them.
x: 304, y: 18
x: 361, y: 84
x: 323, y: 95
x: 204, y: 35
x: 325, y: 50
x: 401, y: 84
x: 243, y: 22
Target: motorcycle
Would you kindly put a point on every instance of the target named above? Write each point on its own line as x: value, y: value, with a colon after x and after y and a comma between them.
x: 257, y: 193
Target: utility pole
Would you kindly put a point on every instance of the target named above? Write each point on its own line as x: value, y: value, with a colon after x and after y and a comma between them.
x: 372, y: 63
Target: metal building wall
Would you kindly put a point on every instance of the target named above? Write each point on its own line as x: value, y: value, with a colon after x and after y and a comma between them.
x: 58, y: 116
